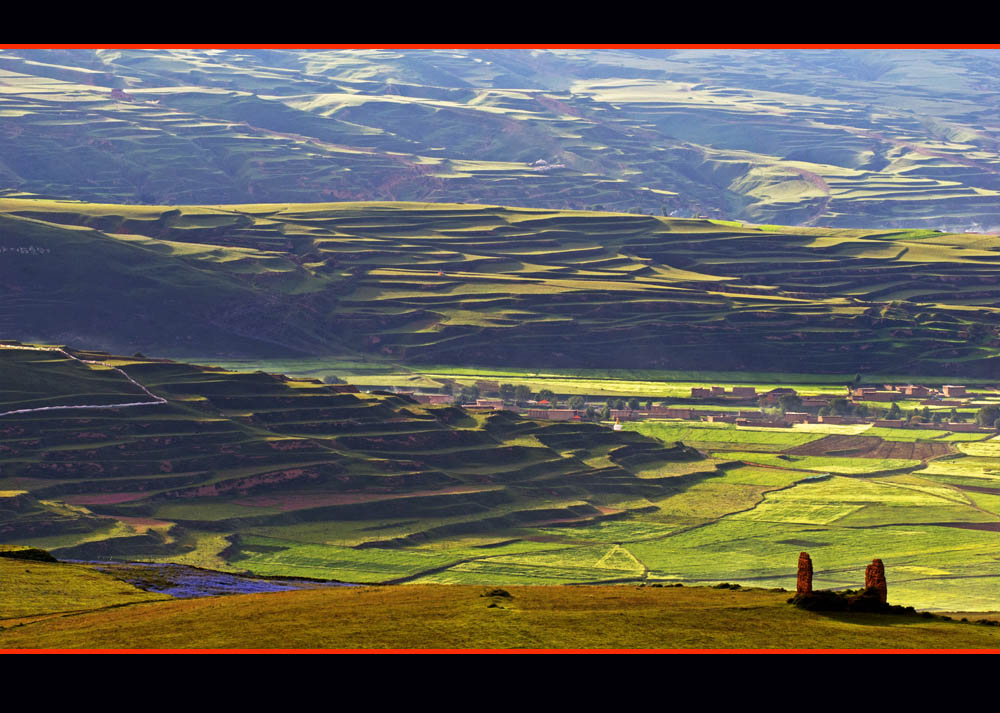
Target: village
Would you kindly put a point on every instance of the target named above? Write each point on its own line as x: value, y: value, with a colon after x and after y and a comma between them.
x: 781, y: 407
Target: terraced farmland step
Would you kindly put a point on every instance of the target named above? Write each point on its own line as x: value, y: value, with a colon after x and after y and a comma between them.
x: 675, y: 294
x: 175, y: 486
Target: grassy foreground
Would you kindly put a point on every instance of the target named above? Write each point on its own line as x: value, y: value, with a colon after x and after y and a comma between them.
x: 425, y: 616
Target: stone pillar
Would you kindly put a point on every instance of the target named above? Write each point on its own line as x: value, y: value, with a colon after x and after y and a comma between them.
x: 875, y: 579
x: 804, y: 584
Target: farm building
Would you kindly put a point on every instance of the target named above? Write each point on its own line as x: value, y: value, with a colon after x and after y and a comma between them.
x: 552, y: 414
x: 815, y: 401
x: 764, y: 422
x: 624, y: 414
x: 737, y: 392
x: 772, y: 396
x: 914, y: 390
x: 960, y: 427
x: 434, y: 398
x: 670, y: 412
x: 872, y: 394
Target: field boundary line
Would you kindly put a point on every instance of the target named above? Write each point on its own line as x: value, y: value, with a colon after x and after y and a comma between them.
x: 156, y: 400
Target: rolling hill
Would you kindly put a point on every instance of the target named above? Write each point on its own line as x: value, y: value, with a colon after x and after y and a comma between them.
x: 487, y: 285
x: 863, y: 139
x: 277, y: 476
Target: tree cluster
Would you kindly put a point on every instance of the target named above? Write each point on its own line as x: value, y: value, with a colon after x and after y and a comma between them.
x: 989, y: 416
x: 843, y: 407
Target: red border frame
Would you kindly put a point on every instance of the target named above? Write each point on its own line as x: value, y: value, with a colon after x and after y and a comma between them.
x: 502, y: 46
x: 499, y: 46
x: 498, y: 651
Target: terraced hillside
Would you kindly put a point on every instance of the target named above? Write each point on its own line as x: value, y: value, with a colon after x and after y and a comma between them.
x: 484, y: 285
x: 249, y: 470
x: 867, y: 138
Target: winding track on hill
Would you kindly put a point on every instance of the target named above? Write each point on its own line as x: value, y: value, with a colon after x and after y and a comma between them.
x: 157, y: 400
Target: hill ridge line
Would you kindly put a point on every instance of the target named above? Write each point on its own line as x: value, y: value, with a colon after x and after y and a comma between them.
x: 157, y: 400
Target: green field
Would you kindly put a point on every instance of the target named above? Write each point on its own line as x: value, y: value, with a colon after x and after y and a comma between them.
x: 682, y: 431
x: 909, y: 434
x: 249, y: 472
x: 848, y: 466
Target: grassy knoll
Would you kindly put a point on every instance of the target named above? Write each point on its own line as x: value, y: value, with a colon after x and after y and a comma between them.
x: 423, y: 616
x: 46, y: 378
x: 34, y: 589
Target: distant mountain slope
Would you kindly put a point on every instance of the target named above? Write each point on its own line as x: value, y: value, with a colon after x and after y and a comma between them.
x: 473, y: 284
x: 863, y: 138
x: 79, y: 285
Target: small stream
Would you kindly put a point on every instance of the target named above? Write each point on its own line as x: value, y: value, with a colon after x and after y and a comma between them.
x: 186, y: 582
